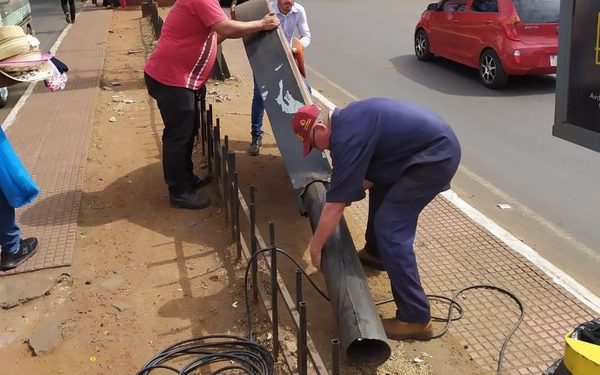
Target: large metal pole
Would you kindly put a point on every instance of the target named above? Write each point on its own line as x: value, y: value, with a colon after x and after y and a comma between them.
x: 361, y: 332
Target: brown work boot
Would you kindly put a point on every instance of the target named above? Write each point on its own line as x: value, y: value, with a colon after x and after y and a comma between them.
x: 370, y: 260
x: 398, y: 330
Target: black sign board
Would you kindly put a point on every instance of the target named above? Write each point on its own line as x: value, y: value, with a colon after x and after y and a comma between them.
x: 577, y: 116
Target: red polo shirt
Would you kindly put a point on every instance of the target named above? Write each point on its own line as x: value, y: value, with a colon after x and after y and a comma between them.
x: 186, y: 50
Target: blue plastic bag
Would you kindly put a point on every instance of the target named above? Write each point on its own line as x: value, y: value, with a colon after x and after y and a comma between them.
x: 15, y: 182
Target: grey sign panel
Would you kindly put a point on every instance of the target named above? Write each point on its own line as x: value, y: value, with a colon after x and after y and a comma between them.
x: 577, y: 117
x: 284, y: 91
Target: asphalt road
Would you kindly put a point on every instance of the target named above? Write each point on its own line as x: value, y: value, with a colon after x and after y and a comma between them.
x: 509, y: 154
x: 48, y: 22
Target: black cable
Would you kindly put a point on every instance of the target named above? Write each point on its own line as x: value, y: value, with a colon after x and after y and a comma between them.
x: 245, y: 355
x: 280, y: 251
x: 239, y: 353
x: 234, y: 352
x: 454, y: 304
x: 433, y: 297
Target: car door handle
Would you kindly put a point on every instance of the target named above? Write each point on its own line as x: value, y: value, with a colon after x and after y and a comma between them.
x: 488, y: 22
x: 454, y: 21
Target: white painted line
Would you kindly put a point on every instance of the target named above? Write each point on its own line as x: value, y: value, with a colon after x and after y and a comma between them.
x: 332, y: 84
x: 12, y: 115
x: 532, y: 215
x: 13, y: 112
x: 60, y: 38
x: 558, y: 276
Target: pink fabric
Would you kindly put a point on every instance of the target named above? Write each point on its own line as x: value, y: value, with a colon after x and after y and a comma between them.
x: 58, y: 81
x: 186, y: 50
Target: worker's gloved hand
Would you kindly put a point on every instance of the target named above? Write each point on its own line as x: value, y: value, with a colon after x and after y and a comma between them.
x: 270, y: 22
x: 294, y: 51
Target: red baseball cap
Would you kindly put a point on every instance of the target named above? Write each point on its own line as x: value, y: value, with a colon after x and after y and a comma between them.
x: 303, y: 122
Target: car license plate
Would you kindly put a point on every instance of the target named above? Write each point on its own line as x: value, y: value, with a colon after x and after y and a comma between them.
x: 553, y: 60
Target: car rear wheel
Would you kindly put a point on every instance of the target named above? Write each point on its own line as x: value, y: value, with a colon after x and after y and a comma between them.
x: 422, y: 46
x: 491, y: 72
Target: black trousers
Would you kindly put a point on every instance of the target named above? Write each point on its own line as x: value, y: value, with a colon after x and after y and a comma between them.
x: 63, y: 4
x: 179, y: 110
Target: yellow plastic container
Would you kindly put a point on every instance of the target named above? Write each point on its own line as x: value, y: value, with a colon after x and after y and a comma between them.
x: 581, y: 358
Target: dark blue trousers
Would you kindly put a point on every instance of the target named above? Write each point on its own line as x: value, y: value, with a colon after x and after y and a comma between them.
x: 257, y: 113
x: 10, y: 236
x: 393, y: 214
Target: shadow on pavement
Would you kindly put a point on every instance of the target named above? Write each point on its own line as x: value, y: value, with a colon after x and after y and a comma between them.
x: 192, y: 240
x: 134, y: 197
x: 452, y: 78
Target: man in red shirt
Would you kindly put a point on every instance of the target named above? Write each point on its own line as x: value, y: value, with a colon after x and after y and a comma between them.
x: 177, y: 68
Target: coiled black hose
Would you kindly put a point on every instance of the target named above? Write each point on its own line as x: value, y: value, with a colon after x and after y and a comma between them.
x: 233, y: 353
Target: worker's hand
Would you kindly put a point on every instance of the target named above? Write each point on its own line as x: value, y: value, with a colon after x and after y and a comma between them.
x: 315, y: 255
x: 294, y: 51
x: 270, y: 22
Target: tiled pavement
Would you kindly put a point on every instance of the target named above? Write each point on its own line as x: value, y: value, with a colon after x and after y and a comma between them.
x: 52, y: 132
x: 456, y: 252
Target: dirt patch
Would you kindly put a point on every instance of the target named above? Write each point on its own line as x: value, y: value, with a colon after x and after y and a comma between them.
x: 145, y: 275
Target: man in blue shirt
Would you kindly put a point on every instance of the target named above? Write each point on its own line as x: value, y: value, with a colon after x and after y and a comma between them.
x: 291, y: 16
x: 405, y: 155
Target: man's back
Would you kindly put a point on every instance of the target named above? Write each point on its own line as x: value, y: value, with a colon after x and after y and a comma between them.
x: 389, y: 136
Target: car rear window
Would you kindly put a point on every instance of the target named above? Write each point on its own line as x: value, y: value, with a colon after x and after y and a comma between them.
x: 538, y: 11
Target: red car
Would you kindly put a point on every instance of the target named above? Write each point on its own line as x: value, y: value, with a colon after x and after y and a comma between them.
x: 499, y: 37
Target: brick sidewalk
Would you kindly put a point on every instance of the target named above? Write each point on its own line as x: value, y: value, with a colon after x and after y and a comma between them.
x: 456, y: 252
x: 51, y: 134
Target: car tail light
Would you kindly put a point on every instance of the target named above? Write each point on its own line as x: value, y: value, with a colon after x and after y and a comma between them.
x: 517, y: 55
x: 510, y: 26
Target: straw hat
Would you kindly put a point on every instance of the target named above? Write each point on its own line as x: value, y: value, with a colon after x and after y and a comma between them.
x: 11, y: 32
x: 17, y: 45
x: 40, y: 73
x: 24, y: 61
x: 21, y: 61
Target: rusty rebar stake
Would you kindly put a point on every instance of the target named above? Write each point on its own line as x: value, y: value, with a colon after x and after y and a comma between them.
x: 274, y: 290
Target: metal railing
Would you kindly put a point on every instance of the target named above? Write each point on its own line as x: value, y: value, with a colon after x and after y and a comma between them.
x: 222, y: 161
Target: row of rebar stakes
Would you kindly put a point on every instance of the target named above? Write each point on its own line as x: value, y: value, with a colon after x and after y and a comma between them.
x: 226, y: 177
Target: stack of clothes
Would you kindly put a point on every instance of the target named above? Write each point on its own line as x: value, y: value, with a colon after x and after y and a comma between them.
x: 22, y: 61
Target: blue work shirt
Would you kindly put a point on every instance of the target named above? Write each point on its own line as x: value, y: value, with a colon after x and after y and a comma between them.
x: 378, y: 139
